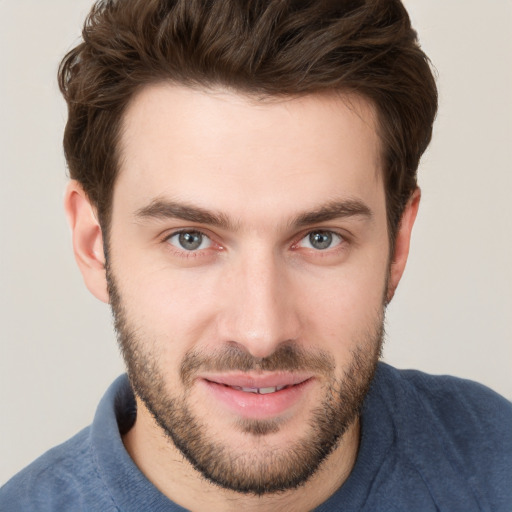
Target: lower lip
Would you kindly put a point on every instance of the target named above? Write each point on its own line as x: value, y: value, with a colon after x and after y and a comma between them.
x: 254, y: 405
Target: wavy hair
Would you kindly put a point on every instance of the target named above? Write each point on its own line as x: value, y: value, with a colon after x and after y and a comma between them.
x: 257, y: 47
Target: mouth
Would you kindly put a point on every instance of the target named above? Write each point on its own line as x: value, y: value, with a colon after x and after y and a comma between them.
x: 260, y: 391
x: 257, y: 397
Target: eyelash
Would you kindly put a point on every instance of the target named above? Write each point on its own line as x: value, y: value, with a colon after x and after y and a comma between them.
x: 183, y: 253
x: 329, y: 250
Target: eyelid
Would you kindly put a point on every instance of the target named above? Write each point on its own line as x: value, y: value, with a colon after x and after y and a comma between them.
x: 345, y: 238
x: 342, y: 234
x: 184, y: 253
x: 205, y: 239
x: 176, y: 231
x: 336, y: 240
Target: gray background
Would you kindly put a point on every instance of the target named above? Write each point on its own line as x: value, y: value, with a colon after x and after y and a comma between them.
x: 452, y: 313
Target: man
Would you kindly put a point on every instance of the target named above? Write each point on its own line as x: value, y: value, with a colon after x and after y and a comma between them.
x: 243, y: 193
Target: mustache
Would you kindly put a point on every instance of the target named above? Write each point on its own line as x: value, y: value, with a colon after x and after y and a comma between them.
x: 287, y: 357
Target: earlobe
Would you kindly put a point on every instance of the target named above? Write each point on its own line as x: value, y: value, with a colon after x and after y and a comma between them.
x: 402, y: 243
x: 87, y: 239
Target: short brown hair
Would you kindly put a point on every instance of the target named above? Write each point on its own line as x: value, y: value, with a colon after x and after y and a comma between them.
x: 261, y: 47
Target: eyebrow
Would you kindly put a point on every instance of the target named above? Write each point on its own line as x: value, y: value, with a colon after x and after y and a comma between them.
x: 334, y: 210
x: 166, y: 209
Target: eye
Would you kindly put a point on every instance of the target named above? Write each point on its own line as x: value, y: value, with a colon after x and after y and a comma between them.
x: 190, y: 240
x: 321, y: 240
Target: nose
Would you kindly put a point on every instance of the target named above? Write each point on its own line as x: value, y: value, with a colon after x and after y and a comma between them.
x: 259, y: 310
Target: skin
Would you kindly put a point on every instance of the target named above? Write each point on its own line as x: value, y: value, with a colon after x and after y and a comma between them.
x: 256, y: 283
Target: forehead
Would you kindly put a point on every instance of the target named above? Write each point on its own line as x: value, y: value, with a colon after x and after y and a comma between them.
x: 222, y: 150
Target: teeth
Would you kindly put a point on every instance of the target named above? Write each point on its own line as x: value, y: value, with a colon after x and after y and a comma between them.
x: 250, y: 390
x: 260, y: 391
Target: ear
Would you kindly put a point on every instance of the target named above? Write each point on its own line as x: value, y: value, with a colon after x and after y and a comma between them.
x: 87, y: 239
x: 402, y: 243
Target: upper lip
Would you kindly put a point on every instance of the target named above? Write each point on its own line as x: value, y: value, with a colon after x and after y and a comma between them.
x: 255, y: 380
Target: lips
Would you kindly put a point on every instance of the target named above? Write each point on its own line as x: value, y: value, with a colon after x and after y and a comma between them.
x: 256, y: 396
x: 251, y: 382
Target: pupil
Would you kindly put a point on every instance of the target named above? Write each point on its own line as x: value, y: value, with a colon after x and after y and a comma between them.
x: 191, y: 240
x: 320, y: 239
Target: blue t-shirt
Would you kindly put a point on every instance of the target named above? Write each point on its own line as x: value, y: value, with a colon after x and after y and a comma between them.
x: 427, y: 444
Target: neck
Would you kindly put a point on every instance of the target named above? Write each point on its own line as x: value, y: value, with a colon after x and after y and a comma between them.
x: 167, y: 469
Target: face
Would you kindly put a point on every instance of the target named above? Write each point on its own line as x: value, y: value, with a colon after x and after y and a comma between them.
x: 248, y: 264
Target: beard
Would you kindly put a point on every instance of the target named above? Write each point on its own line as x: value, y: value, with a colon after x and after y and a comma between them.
x: 264, y: 469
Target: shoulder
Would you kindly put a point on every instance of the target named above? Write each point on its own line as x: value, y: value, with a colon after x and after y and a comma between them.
x: 58, y: 480
x: 459, y: 409
x: 453, y: 426
x: 81, y: 473
x: 460, y: 406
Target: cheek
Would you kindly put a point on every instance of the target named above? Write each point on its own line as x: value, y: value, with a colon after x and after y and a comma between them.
x: 346, y: 306
x: 174, y: 308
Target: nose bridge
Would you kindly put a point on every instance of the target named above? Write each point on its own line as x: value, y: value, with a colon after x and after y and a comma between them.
x: 261, y: 314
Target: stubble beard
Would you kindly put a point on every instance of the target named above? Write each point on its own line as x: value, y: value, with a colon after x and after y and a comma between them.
x: 263, y: 470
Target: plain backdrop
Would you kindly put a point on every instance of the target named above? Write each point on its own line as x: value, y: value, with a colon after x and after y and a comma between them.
x: 452, y: 313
